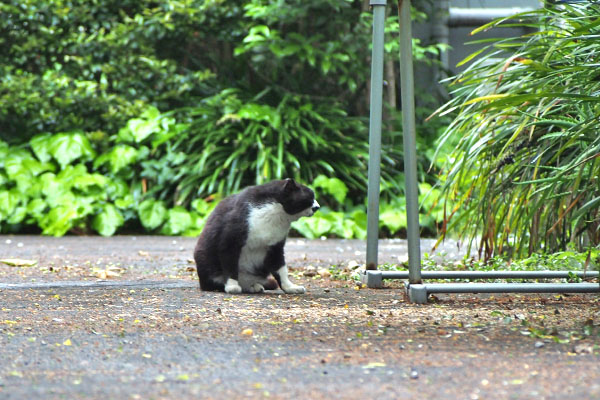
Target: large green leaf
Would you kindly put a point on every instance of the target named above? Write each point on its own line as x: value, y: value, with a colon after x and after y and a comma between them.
x: 340, y: 225
x: 332, y: 186
x: 36, y: 208
x: 197, y: 223
x: 259, y: 112
x: 152, y: 213
x: 393, y: 219
x: 108, y: 220
x: 17, y: 215
x: 40, y: 145
x: 178, y: 221
x: 8, y: 203
x: 119, y: 157
x: 59, y: 220
x: 313, y: 227
x: 14, y: 164
x: 68, y: 147
x: 50, y: 186
x: 360, y: 223
x: 141, y: 128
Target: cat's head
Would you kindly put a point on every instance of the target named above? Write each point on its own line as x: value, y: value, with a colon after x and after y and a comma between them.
x: 297, y: 200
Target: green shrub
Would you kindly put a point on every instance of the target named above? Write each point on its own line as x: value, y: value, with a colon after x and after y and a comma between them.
x: 167, y: 103
x: 68, y: 65
x: 231, y: 143
x: 48, y: 185
x: 524, y: 174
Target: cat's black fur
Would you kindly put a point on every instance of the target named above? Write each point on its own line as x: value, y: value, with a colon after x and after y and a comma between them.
x: 244, y: 237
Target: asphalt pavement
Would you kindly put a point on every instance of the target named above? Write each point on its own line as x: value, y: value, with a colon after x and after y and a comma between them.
x: 123, y: 318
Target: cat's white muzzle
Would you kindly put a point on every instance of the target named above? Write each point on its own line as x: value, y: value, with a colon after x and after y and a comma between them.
x: 315, y: 207
x: 309, y: 212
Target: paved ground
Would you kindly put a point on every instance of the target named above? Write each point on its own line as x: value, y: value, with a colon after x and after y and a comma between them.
x: 123, y: 318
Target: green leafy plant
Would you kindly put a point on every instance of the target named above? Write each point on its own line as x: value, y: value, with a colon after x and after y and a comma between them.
x: 350, y: 221
x: 523, y: 175
x: 231, y: 143
x: 54, y: 190
x: 167, y: 104
x: 47, y: 186
x: 70, y: 65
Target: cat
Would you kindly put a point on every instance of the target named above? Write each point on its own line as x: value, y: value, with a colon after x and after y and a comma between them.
x: 242, y: 242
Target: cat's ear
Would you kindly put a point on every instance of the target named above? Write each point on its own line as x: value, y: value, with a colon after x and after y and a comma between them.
x: 290, y: 185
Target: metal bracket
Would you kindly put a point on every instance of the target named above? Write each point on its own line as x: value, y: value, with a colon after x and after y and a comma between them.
x: 373, y: 279
x: 417, y: 294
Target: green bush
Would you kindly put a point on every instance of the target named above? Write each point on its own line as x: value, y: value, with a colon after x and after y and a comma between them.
x: 230, y: 143
x: 51, y: 185
x: 91, y: 66
x: 163, y: 104
x: 524, y: 173
x: 59, y: 184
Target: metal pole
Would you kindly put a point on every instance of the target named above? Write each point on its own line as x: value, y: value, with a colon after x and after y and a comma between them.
x: 419, y: 293
x: 440, y: 32
x: 410, y: 147
x: 375, y: 132
x: 512, y: 288
x: 489, y: 274
x: 480, y: 16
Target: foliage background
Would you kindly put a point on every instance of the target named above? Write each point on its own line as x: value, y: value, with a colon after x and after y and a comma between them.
x: 139, y: 115
x: 523, y: 175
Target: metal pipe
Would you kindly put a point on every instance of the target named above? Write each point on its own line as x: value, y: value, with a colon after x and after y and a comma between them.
x: 375, y: 132
x: 410, y: 147
x: 480, y: 16
x: 512, y: 288
x: 491, y: 274
x: 440, y: 32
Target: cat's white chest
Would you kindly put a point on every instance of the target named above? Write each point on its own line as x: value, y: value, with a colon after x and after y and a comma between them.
x: 268, y: 224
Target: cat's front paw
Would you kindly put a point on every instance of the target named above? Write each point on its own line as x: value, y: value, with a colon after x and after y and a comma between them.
x: 232, y: 287
x: 294, y: 289
x: 256, y: 288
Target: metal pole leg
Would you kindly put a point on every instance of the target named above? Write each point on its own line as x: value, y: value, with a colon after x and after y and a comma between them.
x: 375, y: 132
x: 410, y: 152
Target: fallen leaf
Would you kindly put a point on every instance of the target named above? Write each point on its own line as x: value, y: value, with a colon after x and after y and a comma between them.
x: 67, y: 342
x: 17, y: 262
x: 583, y: 349
x: 372, y: 365
x: 324, y: 272
x: 247, y: 332
x: 108, y: 272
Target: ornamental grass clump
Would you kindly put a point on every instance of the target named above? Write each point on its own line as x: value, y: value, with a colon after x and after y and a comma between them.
x: 524, y: 169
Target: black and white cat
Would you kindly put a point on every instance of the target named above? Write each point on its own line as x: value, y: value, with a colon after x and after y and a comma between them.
x: 242, y: 242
